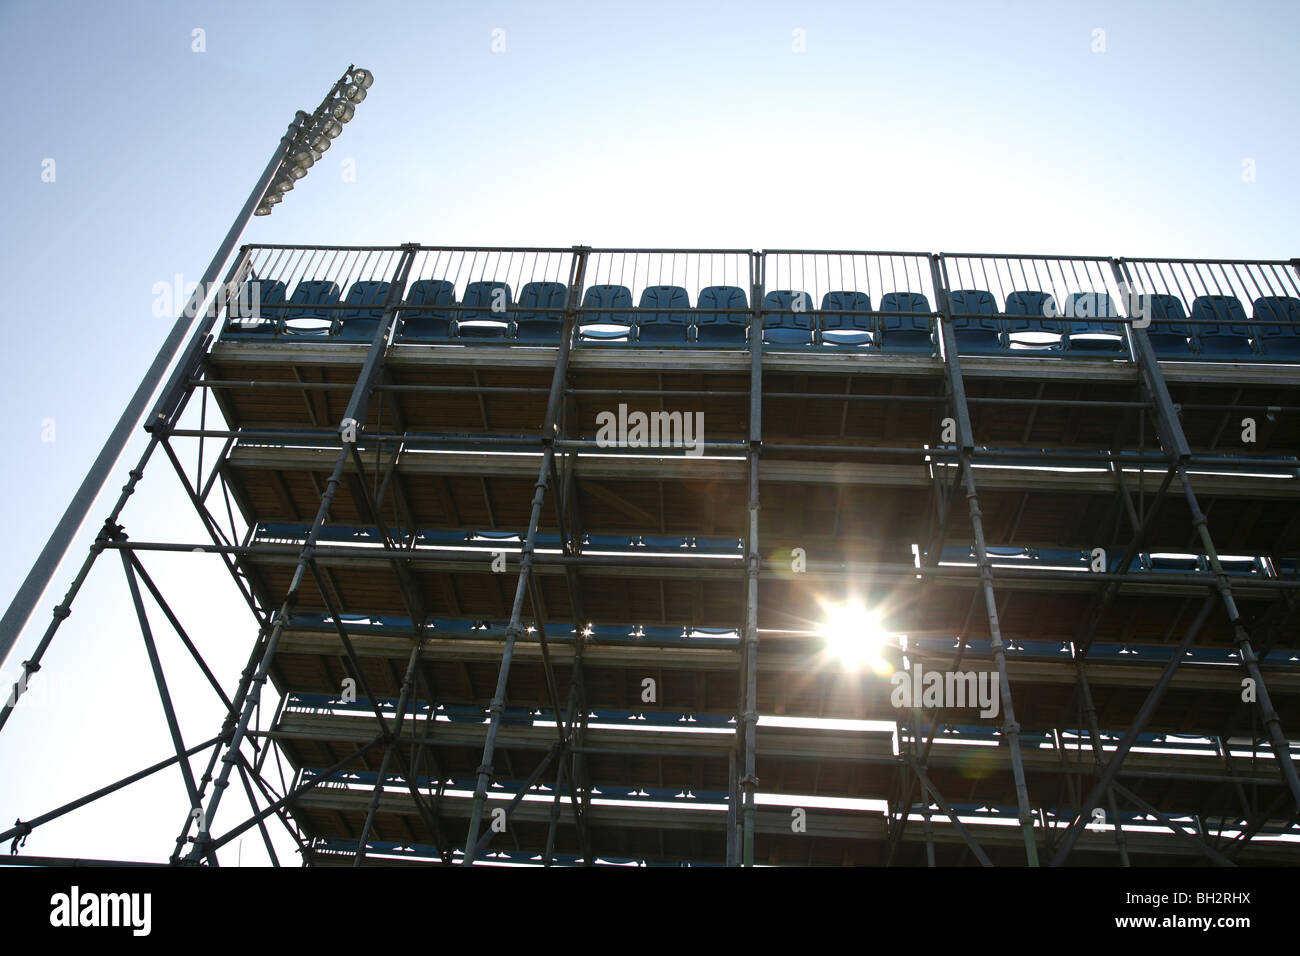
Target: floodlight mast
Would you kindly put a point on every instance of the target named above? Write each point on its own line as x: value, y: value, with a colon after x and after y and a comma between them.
x: 302, y: 144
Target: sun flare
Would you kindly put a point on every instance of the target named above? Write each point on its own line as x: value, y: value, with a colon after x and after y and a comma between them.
x: 854, y: 637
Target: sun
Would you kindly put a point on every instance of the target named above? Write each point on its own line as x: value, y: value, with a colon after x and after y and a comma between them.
x: 854, y: 637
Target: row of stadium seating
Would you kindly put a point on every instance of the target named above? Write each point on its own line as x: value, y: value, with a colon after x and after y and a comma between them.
x: 464, y: 627
x: 1140, y: 563
x: 492, y: 539
x: 325, y: 846
x: 517, y: 716
x: 1219, y: 329
x: 620, y: 543
x: 945, y: 647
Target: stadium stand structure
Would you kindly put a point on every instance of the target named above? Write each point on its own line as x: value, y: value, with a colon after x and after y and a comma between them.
x: 1078, y: 474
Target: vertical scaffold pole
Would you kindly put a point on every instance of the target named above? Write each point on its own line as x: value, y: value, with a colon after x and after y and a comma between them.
x: 749, y: 713
x: 966, y: 446
x: 577, y: 274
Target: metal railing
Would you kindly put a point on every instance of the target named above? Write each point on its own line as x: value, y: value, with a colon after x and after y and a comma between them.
x: 870, y: 302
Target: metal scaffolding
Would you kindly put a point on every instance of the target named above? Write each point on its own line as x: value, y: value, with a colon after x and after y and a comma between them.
x: 391, y: 422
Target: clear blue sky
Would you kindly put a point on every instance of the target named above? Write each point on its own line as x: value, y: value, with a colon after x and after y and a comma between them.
x: 932, y: 126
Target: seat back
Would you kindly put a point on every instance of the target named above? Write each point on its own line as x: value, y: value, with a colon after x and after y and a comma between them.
x: 722, y: 327
x: 485, y: 300
x: 664, y: 326
x: 365, y: 302
x: 429, y: 312
x: 1084, y: 328
x: 1278, y: 308
x: 258, y: 309
x: 1085, y: 309
x: 975, y: 323
x: 1166, y: 314
x: 905, y: 333
x: 1169, y: 333
x: 787, y: 317
x: 973, y: 309
x: 905, y: 302
x: 847, y: 302
x: 610, y: 305
x: 1227, y: 333
x: 306, y: 315
x: 1031, y: 312
x: 540, y: 315
x: 486, y: 307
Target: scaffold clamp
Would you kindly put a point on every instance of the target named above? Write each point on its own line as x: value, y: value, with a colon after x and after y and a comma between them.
x: 20, y: 838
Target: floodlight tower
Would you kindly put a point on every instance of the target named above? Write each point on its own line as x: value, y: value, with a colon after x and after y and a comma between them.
x: 303, y: 143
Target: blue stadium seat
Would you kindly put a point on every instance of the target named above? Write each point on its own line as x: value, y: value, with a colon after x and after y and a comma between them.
x: 347, y: 534
x: 1170, y: 335
x: 443, y: 537
x: 710, y: 720
x: 273, y: 529
x: 663, y: 634
x: 485, y: 311
x: 1173, y: 564
x: 730, y: 545
x: 1227, y: 338
x: 614, y: 303
x: 1245, y: 567
x: 610, y: 632
x: 257, y: 311
x: 1282, y: 341
x: 360, y: 321
x: 1060, y: 557
x: 1004, y: 554
x: 662, y: 542
x: 514, y: 536
x: 606, y: 542
x: 540, y: 318
x: 1028, y: 312
x: 662, y: 793
x: 719, y: 328
x: 1137, y: 564
x: 516, y: 717
x: 464, y: 713
x: 659, y: 718
x: 429, y: 315
x: 787, y: 318
x: 308, y: 309
x: 848, y: 330
x: 906, y: 333
x: 664, y: 328
x: 612, y: 792
x: 299, y: 619
x: 957, y: 552
x: 728, y: 634
x: 975, y: 323
x: 1084, y: 331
